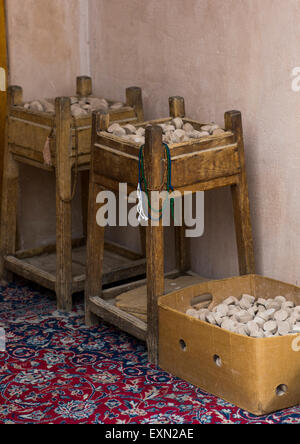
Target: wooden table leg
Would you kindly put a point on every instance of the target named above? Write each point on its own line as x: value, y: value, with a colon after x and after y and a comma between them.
x: 154, y: 154
x: 85, y: 179
x: 177, y: 109
x: 142, y: 231
x: 63, y: 205
x: 182, y: 250
x: 9, y: 191
x: 134, y: 98
x: 95, y: 238
x: 84, y: 86
x: 240, y: 198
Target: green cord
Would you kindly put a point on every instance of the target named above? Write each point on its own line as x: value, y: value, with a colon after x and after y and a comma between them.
x: 169, y: 186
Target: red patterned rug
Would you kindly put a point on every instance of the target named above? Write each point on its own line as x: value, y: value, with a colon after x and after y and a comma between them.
x: 55, y: 370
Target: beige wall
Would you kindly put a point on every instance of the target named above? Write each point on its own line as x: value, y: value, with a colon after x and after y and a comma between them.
x: 218, y: 54
x: 46, y: 55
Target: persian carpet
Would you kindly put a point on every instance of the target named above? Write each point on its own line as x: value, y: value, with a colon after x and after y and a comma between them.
x: 55, y: 370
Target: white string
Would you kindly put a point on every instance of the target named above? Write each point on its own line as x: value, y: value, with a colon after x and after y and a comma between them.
x: 140, y: 208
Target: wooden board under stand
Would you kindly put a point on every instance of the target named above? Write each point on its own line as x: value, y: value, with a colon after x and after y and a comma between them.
x: 135, y: 301
x: 59, y: 142
x: 200, y: 164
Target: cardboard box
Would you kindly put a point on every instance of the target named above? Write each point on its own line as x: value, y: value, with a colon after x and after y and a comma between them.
x: 258, y: 375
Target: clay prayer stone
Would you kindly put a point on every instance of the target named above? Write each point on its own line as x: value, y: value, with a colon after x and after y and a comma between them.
x: 261, y: 318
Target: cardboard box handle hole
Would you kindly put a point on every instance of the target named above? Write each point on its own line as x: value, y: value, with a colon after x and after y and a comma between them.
x: 182, y: 345
x: 200, y: 298
x: 218, y: 361
x: 281, y: 390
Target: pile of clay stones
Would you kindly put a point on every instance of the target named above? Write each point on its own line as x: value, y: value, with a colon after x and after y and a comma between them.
x: 80, y: 107
x: 261, y: 318
x: 174, y: 131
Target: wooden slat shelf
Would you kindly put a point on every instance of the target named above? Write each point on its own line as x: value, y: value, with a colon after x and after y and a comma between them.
x: 119, y: 264
x: 106, y: 305
x: 127, y: 322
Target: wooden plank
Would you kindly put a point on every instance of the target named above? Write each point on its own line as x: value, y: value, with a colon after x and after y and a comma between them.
x: 84, y: 86
x: 189, y: 168
x: 155, y: 238
x: 95, y: 240
x: 29, y: 156
x: 119, y: 318
x: 106, y: 139
x: 113, y: 292
x: 138, y: 315
x: 134, y: 99
x: 122, y: 251
x: 182, y: 248
x: 84, y: 141
x: 119, y: 274
x: 212, y: 184
x: 85, y: 182
x: 63, y: 205
x: 42, y: 262
x: 240, y: 198
x: 9, y: 193
x: 116, y: 165
x: 205, y: 143
x: 205, y: 165
x: 33, y: 163
x: 30, y: 272
x: 123, y: 115
x: 135, y: 300
x: 26, y: 135
x: 31, y: 117
x: 3, y: 82
x: 177, y: 109
x: 111, y: 184
x: 46, y: 249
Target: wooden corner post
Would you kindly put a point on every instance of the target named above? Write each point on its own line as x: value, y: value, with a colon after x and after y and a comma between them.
x: 63, y: 204
x: 154, y: 172
x: 95, y: 238
x: 102, y: 122
x: 182, y: 245
x: 14, y: 96
x: 177, y: 106
x: 240, y: 198
x: 10, y: 189
x: 84, y: 86
x: 134, y: 98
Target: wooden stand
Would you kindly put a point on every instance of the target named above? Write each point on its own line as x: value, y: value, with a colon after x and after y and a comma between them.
x: 59, y: 267
x: 198, y: 165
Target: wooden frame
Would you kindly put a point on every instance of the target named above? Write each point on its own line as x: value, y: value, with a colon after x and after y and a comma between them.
x: 61, y: 268
x: 198, y: 165
x: 3, y: 73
